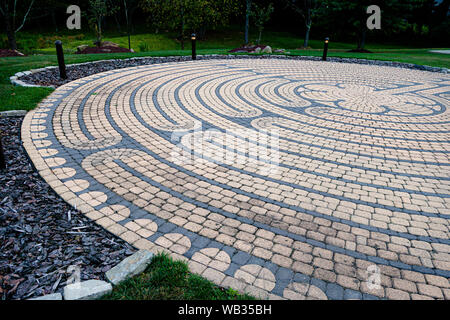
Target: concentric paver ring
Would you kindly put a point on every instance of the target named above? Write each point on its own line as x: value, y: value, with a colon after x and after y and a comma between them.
x: 280, y: 178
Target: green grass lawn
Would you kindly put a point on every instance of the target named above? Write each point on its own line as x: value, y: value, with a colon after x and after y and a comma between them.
x: 166, y: 279
x: 164, y: 44
x: 144, y: 41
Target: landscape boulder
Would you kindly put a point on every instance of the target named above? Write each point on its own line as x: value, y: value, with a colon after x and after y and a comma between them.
x: 267, y: 49
x: 82, y: 47
x: 257, y: 50
x: 87, y: 290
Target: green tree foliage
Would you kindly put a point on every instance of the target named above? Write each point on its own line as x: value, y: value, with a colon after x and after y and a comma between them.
x: 308, y: 10
x: 260, y: 15
x: 98, y: 10
x: 185, y: 16
x: 14, y: 14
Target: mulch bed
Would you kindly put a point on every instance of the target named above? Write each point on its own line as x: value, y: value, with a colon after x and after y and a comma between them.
x: 10, y: 53
x: 103, y: 49
x: 247, y: 49
x: 40, y: 234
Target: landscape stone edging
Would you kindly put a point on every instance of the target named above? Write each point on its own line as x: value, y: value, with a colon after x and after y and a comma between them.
x: 15, y: 79
x: 87, y: 290
x: 129, y: 267
x: 13, y: 113
x: 93, y: 289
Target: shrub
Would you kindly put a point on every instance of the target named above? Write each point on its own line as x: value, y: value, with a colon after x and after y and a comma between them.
x: 143, y: 47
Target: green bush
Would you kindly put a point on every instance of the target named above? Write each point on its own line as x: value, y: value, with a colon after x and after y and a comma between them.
x: 143, y: 47
x: 27, y: 46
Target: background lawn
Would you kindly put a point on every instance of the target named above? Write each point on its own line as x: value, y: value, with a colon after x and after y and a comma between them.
x: 42, y: 53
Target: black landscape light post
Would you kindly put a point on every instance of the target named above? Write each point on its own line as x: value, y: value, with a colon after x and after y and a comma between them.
x: 61, y: 64
x: 194, y: 49
x: 325, y: 49
x: 2, y: 155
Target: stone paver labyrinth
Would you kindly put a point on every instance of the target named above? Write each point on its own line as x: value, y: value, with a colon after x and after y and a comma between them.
x: 176, y: 156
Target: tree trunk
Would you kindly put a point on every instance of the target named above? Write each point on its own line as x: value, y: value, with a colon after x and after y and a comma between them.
x: 305, y: 42
x: 99, y: 30
x: 308, y: 22
x: 55, y: 25
x: 128, y: 24
x: 247, y: 20
x: 182, y: 28
x: 362, y: 41
x: 10, y: 32
x: 119, y: 27
x: 130, y: 17
x: 259, y: 36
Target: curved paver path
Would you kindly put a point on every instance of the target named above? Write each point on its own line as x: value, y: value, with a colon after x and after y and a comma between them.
x: 277, y: 177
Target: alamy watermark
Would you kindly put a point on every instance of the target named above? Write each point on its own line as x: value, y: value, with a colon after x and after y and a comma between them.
x: 374, y: 20
x: 74, y: 20
x: 373, y: 277
x: 74, y: 272
x: 255, y: 150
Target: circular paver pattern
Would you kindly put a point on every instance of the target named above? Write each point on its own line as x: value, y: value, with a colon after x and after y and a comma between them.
x: 280, y: 178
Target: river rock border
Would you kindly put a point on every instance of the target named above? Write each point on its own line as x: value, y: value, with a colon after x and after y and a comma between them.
x: 16, y: 79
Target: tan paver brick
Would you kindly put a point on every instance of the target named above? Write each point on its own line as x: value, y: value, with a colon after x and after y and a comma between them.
x: 365, y: 136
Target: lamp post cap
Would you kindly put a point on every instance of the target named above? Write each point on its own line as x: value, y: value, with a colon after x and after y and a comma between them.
x: 58, y: 42
x: 327, y: 39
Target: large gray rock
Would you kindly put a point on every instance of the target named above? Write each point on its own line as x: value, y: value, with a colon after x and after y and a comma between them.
x: 53, y: 296
x: 110, y: 44
x: 267, y: 49
x: 131, y: 266
x: 82, y: 47
x: 87, y: 290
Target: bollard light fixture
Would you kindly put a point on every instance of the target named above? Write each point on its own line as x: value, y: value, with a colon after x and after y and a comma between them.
x: 61, y: 63
x: 325, y: 49
x: 194, y: 48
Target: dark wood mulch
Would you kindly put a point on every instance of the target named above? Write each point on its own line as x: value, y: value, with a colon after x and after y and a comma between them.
x: 247, y: 48
x: 103, y: 49
x: 40, y: 234
x: 10, y: 53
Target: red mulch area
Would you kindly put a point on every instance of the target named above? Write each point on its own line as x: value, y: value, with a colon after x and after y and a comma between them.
x: 10, y: 53
x: 247, y: 48
x: 104, y: 49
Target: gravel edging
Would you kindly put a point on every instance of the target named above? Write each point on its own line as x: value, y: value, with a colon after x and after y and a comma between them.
x: 48, y: 77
